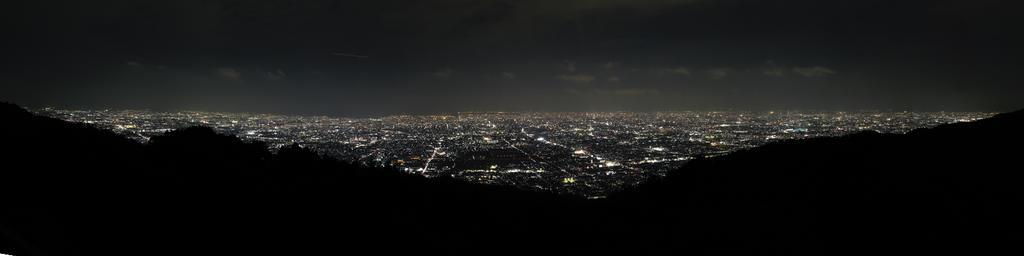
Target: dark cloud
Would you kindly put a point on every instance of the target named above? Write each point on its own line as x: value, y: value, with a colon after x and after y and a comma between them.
x: 719, y: 73
x: 771, y: 69
x: 681, y: 71
x: 387, y: 56
x: 443, y: 73
x: 576, y: 78
x: 276, y: 75
x: 816, y: 71
x: 611, y: 65
x: 229, y: 74
x: 570, y: 66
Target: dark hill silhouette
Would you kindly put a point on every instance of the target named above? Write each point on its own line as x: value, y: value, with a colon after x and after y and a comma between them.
x: 71, y: 189
x: 953, y: 188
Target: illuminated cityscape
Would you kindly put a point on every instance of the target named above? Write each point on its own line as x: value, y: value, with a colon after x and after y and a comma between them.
x: 587, y: 154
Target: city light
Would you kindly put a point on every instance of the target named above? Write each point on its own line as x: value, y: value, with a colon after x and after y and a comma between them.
x: 589, y: 154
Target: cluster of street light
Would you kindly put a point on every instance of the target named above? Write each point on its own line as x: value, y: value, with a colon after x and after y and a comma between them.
x: 588, y: 154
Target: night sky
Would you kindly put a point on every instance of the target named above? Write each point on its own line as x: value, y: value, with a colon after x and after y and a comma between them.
x: 367, y: 58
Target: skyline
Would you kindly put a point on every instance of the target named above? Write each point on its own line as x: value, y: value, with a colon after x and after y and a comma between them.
x: 584, y: 154
x: 345, y: 58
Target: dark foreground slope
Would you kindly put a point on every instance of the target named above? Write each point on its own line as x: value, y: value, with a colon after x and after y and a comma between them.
x: 953, y: 188
x: 70, y: 189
